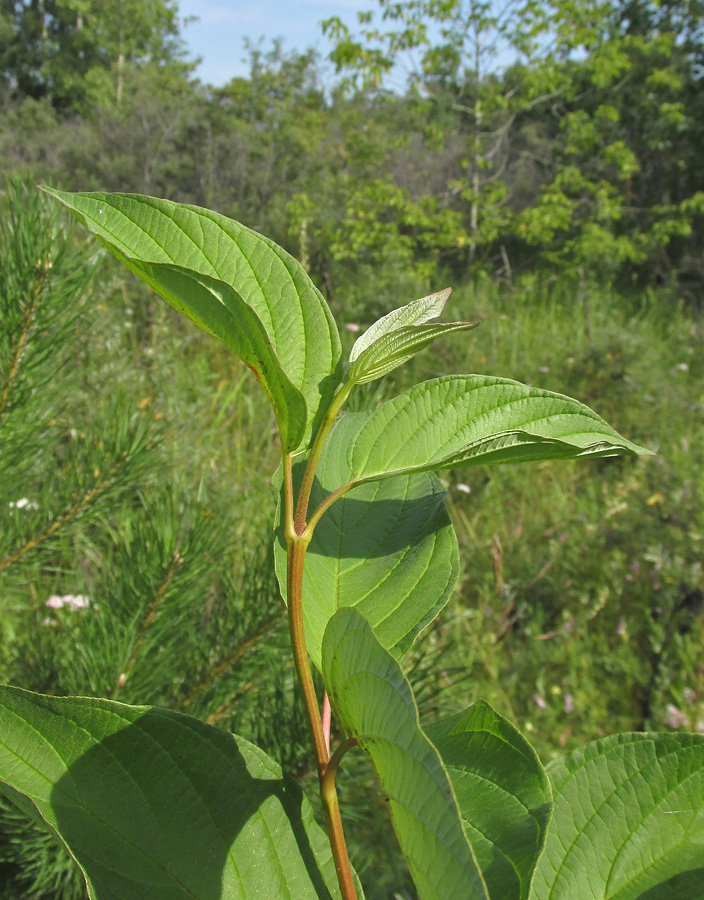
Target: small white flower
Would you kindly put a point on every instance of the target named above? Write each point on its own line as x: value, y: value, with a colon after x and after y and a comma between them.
x: 352, y: 327
x: 23, y: 503
x: 71, y: 601
x: 464, y: 488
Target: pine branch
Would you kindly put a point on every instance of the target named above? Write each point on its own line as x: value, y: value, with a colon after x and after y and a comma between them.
x: 78, y: 507
x: 218, y: 671
x: 16, y: 354
x: 154, y: 606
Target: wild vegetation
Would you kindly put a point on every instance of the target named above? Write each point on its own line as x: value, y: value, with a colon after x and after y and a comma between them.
x: 511, y: 137
x: 135, y: 548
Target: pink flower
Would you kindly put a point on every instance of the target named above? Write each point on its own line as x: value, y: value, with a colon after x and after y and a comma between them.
x: 675, y: 717
x: 71, y: 601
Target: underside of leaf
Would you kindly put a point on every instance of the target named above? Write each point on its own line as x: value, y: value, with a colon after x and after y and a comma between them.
x: 291, y: 310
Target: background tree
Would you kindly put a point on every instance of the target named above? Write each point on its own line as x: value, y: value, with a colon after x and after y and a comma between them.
x: 77, y: 52
x: 618, y: 193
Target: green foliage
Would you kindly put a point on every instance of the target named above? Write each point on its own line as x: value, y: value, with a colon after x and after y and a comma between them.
x: 117, y: 586
x: 107, y: 782
x: 472, y: 420
x: 394, y: 532
x: 505, y: 810
x: 75, y: 52
x: 561, y: 135
x: 398, y: 336
x: 173, y: 249
x: 375, y: 706
x: 455, y: 836
x: 592, y: 788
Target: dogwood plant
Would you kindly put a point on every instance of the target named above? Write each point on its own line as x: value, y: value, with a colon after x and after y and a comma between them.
x: 155, y: 805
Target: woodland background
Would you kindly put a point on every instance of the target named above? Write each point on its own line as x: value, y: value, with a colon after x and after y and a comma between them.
x: 544, y: 158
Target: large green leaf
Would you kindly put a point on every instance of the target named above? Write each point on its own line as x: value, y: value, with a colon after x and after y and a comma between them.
x: 373, y: 702
x: 388, y: 549
x: 464, y: 420
x: 264, y: 295
x: 628, y: 821
x: 154, y: 805
x: 503, y: 794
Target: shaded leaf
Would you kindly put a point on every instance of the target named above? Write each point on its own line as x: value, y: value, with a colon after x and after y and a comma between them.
x: 155, y: 805
x: 373, y: 702
x: 503, y: 794
x: 155, y: 238
x: 628, y: 822
x: 388, y: 549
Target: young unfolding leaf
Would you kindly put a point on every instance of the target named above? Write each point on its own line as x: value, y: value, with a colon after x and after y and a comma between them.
x: 465, y: 420
x: 373, y: 702
x: 628, y: 821
x: 154, y: 805
x: 415, y: 313
x: 397, y: 347
x: 503, y: 794
x: 159, y: 240
x: 387, y: 549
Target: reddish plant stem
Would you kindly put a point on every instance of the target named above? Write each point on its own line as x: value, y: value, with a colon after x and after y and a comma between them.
x: 314, y: 458
x: 331, y: 806
x: 296, y: 550
x: 325, y: 505
x: 296, y: 555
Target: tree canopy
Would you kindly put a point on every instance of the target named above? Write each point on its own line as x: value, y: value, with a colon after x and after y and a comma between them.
x: 457, y: 135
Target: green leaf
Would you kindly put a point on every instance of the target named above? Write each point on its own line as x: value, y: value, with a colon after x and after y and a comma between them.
x: 397, y: 347
x: 464, y: 420
x: 235, y: 284
x: 415, y: 313
x: 373, y: 702
x: 387, y: 549
x: 503, y: 794
x: 628, y: 821
x: 219, y: 310
x: 155, y: 805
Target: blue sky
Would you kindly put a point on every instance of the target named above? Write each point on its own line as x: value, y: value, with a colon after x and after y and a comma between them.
x: 223, y: 25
